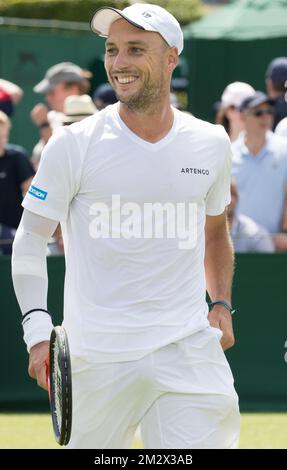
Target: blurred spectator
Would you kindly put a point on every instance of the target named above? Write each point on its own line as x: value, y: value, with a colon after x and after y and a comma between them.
x: 276, y: 77
x: 6, y: 103
x: 7, y: 235
x: 179, y: 84
x: 10, y: 95
x: 246, y: 235
x: 77, y: 108
x: 174, y: 101
x: 60, y: 81
x: 228, y: 113
x: 104, y: 95
x: 16, y: 174
x: 63, y: 80
x: 281, y: 128
x: 179, y: 87
x: 260, y: 169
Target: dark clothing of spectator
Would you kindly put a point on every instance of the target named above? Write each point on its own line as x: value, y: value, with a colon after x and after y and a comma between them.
x: 104, y: 95
x: 15, y: 168
x: 280, y: 110
x: 7, y: 235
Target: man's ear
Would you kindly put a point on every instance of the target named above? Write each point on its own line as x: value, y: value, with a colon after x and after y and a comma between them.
x: 172, y: 58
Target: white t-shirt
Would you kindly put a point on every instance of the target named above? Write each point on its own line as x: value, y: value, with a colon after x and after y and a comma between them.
x: 281, y: 128
x: 125, y: 297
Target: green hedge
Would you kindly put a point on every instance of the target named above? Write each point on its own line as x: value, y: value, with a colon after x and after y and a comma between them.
x: 82, y: 10
x: 185, y: 11
x: 67, y: 10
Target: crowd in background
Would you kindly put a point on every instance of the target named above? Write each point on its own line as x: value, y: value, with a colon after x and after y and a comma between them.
x: 256, y: 122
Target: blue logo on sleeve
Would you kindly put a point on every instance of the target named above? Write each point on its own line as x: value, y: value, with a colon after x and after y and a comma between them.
x: 38, y: 193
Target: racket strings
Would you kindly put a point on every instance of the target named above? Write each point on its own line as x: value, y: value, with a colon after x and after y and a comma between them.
x: 59, y: 411
x: 58, y: 381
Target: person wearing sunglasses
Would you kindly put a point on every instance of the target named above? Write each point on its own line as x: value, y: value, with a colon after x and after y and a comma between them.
x: 260, y: 169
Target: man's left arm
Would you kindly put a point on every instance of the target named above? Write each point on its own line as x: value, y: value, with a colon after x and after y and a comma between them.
x: 219, y: 265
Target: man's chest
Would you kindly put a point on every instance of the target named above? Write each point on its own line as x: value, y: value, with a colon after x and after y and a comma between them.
x: 141, y: 176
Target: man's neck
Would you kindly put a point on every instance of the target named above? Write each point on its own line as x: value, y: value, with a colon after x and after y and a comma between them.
x: 255, y: 143
x: 151, y: 125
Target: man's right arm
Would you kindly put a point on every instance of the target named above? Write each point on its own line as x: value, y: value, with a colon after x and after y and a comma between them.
x: 29, y: 273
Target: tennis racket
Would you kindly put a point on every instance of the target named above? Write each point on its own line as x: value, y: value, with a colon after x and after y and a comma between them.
x: 59, y: 381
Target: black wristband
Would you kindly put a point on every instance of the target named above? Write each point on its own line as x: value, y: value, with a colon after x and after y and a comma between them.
x: 35, y: 310
x: 224, y: 304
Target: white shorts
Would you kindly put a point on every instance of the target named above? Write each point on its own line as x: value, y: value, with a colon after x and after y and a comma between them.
x: 182, y: 395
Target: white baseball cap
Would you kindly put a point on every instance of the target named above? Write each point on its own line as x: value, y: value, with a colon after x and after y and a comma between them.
x: 144, y: 16
x: 235, y: 93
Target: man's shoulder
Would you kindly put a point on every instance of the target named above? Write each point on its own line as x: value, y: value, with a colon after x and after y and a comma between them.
x: 87, y: 126
x: 201, y: 127
x: 73, y: 142
x: 78, y: 133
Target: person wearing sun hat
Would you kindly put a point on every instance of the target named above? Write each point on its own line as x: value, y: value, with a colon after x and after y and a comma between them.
x: 228, y: 113
x: 77, y: 108
x: 60, y: 81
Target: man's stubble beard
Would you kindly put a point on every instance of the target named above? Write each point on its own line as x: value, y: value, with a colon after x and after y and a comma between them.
x: 149, y: 95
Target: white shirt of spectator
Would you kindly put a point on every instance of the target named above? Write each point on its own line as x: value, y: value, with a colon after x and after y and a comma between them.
x: 247, y: 236
x: 281, y: 128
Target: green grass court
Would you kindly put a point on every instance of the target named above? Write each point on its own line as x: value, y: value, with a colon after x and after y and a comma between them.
x: 34, y: 431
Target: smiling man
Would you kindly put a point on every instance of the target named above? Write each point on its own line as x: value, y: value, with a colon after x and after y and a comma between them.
x: 146, y: 348
x: 138, y: 73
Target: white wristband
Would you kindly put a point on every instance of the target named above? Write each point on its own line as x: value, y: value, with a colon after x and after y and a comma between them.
x: 37, y: 327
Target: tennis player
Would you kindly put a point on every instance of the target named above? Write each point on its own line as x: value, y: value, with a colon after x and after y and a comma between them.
x: 140, y: 189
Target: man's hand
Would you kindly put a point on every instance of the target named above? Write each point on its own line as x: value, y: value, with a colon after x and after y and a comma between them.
x: 220, y: 318
x: 38, y: 360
